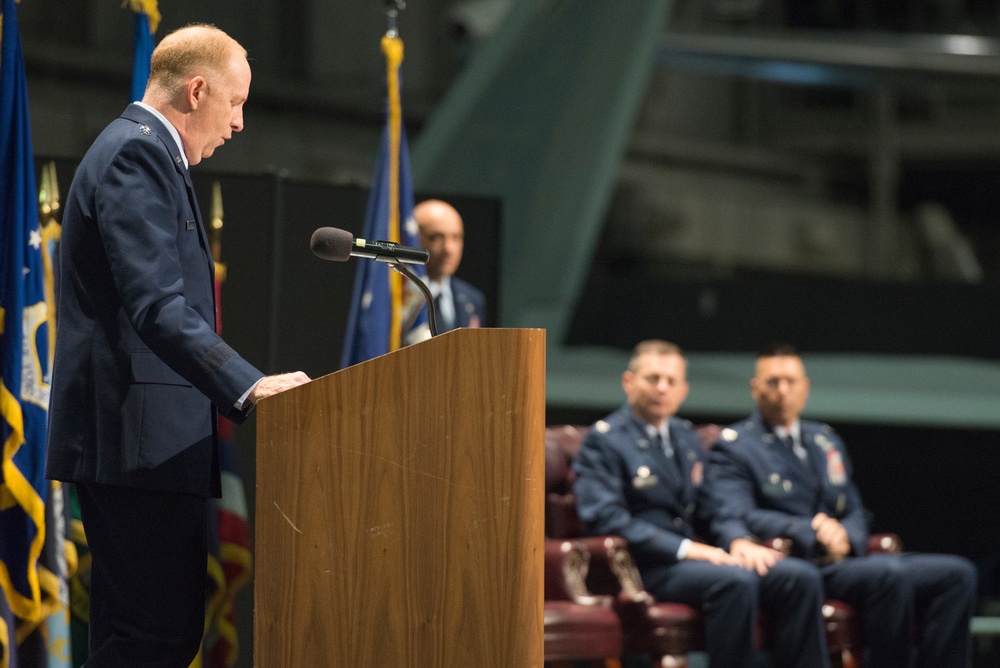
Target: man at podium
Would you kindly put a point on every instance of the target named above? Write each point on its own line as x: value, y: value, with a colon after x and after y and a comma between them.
x: 140, y: 372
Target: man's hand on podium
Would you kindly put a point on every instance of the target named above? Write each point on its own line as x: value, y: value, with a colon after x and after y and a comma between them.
x: 269, y: 385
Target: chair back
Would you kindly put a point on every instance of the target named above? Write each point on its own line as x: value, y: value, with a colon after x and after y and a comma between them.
x: 562, y: 443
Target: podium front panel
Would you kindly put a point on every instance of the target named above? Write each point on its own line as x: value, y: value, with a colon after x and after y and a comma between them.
x: 400, y: 509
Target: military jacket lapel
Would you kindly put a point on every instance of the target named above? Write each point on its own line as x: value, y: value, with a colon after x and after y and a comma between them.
x: 674, y: 493
x: 831, y: 481
x: 802, y: 477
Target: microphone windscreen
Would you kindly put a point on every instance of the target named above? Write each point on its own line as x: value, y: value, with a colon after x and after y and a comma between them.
x: 331, y: 243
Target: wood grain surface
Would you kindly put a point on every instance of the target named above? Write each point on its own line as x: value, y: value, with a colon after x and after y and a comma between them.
x: 400, y: 509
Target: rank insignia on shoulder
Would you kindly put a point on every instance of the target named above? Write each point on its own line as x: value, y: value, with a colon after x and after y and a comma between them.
x: 144, y: 129
x: 728, y: 434
x: 602, y: 426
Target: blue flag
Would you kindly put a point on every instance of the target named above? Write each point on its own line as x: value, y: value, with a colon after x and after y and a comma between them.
x: 24, y: 347
x: 384, y: 310
x: 146, y: 19
x: 143, y: 53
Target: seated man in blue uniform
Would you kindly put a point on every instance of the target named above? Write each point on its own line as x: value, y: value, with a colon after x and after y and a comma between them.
x: 638, y: 473
x: 775, y: 474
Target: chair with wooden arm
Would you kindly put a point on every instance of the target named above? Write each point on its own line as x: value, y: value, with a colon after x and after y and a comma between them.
x: 578, y: 625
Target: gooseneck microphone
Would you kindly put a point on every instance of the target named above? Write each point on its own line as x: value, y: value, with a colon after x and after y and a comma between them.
x: 331, y: 243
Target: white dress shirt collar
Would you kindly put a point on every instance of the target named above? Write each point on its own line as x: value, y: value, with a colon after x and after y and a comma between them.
x: 170, y: 128
x: 795, y: 431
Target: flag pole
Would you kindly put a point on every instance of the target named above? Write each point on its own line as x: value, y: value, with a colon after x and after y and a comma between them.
x: 375, y: 324
x: 392, y: 47
x: 392, y: 9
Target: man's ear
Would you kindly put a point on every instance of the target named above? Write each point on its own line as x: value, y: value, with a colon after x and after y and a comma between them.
x: 628, y: 377
x: 196, y: 90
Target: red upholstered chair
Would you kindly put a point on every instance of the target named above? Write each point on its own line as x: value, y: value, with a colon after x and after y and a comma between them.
x: 662, y: 629
x: 665, y: 630
x: 578, y: 626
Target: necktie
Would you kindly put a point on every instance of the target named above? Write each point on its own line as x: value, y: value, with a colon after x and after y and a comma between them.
x: 439, y: 320
x: 796, y: 448
x: 442, y: 319
x: 445, y: 315
x: 673, y: 470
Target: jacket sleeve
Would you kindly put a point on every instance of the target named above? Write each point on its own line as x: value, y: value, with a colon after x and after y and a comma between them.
x: 852, y: 515
x: 602, y: 505
x: 730, y: 482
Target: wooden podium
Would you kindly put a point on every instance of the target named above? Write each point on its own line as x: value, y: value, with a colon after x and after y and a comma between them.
x: 400, y: 509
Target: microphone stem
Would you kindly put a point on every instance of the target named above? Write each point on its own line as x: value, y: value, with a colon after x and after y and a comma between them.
x: 401, y: 268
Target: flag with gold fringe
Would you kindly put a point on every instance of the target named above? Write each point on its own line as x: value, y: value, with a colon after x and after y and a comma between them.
x: 33, y: 553
x: 230, y: 559
x: 382, y: 305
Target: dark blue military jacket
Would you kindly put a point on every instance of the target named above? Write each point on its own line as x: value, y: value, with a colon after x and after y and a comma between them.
x: 138, y: 364
x: 759, y: 487
x: 624, y: 487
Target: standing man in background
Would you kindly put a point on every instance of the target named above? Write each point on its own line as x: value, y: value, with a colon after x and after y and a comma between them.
x: 638, y: 475
x: 139, y: 370
x: 777, y: 475
x: 458, y: 304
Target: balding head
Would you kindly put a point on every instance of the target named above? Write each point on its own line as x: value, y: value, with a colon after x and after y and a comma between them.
x: 198, y: 49
x: 442, y: 234
x: 199, y: 80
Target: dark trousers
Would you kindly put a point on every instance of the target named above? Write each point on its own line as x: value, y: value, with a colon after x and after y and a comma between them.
x: 791, y: 594
x: 148, y: 576
x: 909, y: 601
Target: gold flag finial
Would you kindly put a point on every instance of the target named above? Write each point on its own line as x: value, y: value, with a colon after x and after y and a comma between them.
x: 215, y: 224
x: 48, y: 207
x: 215, y: 231
x: 48, y: 194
